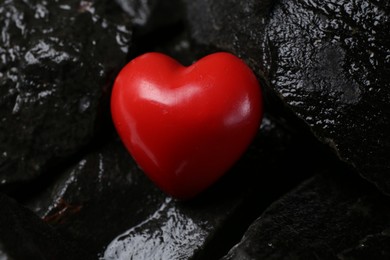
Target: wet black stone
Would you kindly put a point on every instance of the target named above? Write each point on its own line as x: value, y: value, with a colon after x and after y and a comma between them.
x: 328, y: 61
x: 57, y: 63
x: 151, y: 15
x: 108, y: 205
x: 24, y: 236
x: 179, y: 46
x: 322, y: 219
x: 233, y: 26
x: 98, y: 198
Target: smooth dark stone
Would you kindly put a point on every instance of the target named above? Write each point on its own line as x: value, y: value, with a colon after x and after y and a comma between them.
x: 330, y: 63
x: 322, y: 219
x: 151, y: 15
x: 179, y: 47
x: 57, y: 64
x: 327, y: 61
x: 98, y: 198
x: 375, y: 246
x: 109, y: 206
x: 232, y: 25
x: 24, y: 236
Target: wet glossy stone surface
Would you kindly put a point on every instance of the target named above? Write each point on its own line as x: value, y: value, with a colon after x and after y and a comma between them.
x: 325, y: 61
x: 57, y: 63
x: 333, y: 215
x: 328, y: 61
x: 98, y: 198
x: 24, y: 236
x: 233, y: 26
x: 106, y: 203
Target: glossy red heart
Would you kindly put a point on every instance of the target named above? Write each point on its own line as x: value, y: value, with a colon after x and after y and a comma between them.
x: 186, y: 126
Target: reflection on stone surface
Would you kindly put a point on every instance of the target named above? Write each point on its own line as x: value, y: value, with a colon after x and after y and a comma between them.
x: 135, y: 219
x: 327, y: 61
x: 166, y: 234
x: 151, y: 15
x: 323, y: 218
x: 99, y: 197
x: 56, y: 67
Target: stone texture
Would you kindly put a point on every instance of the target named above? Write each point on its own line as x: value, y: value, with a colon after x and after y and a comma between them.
x: 330, y: 63
x: 231, y: 25
x: 98, y: 197
x: 375, y: 246
x: 57, y: 63
x: 106, y: 203
x: 150, y: 15
x: 333, y: 215
x: 24, y: 236
x: 327, y: 61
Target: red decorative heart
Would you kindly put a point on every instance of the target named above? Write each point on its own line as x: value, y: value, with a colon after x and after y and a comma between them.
x: 186, y: 126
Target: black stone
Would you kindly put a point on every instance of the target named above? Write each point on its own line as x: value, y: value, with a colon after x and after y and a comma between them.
x: 329, y: 62
x: 57, y: 63
x: 151, y: 15
x: 24, y: 236
x: 98, y: 198
x: 376, y: 246
x: 326, y: 62
x: 322, y: 219
x: 233, y: 25
x: 179, y: 46
x: 108, y: 205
